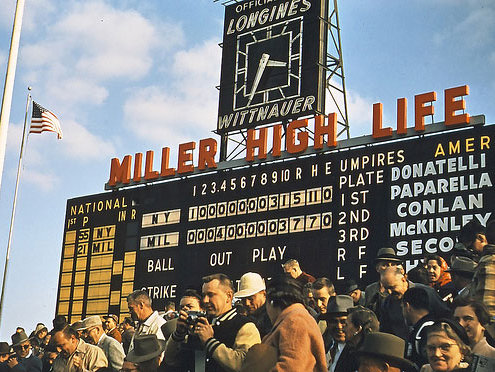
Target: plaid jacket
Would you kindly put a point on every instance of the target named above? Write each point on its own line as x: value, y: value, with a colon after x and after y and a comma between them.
x: 484, y: 279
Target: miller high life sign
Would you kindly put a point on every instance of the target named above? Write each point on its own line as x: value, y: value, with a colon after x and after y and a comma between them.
x: 192, y: 157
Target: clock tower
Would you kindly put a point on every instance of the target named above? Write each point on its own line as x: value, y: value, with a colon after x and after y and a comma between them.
x: 273, y: 63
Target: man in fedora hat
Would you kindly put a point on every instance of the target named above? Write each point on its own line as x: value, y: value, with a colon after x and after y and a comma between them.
x: 462, y: 272
x: 93, y: 333
x: 350, y: 288
x: 23, y: 359
x: 334, y: 336
x: 75, y: 354
x: 111, y: 321
x: 375, y: 292
x: 145, y: 357
x: 383, y: 352
x: 4, y: 356
x: 252, y: 293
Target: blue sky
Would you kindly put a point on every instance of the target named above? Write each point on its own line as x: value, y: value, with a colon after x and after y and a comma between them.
x: 128, y: 76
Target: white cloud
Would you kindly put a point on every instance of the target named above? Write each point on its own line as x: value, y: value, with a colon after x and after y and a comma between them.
x: 7, y: 15
x: 359, y: 111
x: 3, y: 58
x: 96, y: 42
x: 472, y: 32
x: 46, y: 181
x: 38, y: 12
x: 14, y: 136
x: 169, y: 115
x: 77, y: 56
x: 113, y: 43
x: 77, y: 89
x: 79, y: 143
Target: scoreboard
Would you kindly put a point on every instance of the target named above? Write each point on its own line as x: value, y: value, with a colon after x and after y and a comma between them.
x: 330, y: 210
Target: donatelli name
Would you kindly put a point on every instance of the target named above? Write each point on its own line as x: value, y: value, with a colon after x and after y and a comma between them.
x: 296, y: 138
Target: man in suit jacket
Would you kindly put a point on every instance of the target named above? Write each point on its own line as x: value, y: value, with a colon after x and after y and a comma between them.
x: 93, y: 333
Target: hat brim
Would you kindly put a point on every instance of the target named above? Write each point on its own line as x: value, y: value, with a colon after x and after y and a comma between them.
x: 331, y: 314
x: 132, y: 357
x: 455, y: 271
x: 247, y: 292
x: 20, y: 342
x: 387, y: 259
x: 351, y: 289
x: 41, y: 330
x: 402, y: 363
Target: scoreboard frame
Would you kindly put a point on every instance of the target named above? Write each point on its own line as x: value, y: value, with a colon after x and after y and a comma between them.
x: 331, y: 210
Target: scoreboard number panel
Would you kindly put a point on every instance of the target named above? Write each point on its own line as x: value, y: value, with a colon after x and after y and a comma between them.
x: 333, y: 219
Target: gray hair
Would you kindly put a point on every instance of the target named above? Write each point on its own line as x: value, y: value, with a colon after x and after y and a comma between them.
x: 139, y: 296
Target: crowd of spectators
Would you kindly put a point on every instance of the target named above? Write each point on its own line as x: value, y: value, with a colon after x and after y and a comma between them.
x: 437, y: 317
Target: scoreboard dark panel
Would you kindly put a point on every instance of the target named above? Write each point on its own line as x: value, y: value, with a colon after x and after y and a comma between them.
x: 331, y: 211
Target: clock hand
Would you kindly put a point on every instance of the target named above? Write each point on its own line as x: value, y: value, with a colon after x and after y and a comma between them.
x: 261, y: 68
x: 276, y: 64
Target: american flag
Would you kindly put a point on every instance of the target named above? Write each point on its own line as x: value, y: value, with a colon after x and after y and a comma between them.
x: 44, y: 120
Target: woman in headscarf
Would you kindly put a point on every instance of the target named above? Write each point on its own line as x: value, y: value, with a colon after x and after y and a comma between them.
x: 447, y: 347
x: 439, y: 278
x: 295, y: 343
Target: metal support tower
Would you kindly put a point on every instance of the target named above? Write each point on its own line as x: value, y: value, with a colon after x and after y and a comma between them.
x: 233, y: 144
x: 335, y: 72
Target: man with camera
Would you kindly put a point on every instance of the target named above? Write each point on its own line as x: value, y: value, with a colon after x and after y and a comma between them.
x: 190, y: 302
x: 224, y: 335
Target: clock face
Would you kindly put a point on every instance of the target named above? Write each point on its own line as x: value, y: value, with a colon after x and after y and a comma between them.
x: 268, y: 64
x: 273, y: 62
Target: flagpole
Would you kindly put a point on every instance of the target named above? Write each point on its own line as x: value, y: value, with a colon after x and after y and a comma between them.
x: 9, y: 81
x: 19, y: 166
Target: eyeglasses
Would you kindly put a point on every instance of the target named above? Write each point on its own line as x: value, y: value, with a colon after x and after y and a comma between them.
x: 444, y: 348
x: 23, y: 347
x: 88, y: 331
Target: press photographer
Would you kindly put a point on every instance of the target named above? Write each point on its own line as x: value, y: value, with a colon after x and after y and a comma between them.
x: 224, y: 335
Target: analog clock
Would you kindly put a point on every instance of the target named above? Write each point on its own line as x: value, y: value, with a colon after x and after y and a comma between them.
x: 268, y: 64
